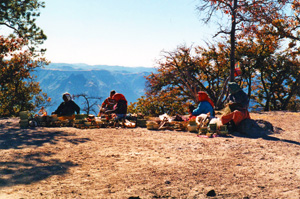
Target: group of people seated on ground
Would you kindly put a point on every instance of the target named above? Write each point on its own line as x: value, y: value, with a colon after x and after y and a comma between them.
x: 238, y: 103
x: 115, y: 103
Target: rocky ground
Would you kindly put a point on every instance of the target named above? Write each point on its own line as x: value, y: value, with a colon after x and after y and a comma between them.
x: 138, y: 163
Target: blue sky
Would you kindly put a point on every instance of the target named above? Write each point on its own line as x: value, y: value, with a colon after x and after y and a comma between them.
x: 119, y: 32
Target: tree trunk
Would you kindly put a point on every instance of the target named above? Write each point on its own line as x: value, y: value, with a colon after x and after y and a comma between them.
x: 232, y: 41
x: 267, y: 105
x: 291, y: 94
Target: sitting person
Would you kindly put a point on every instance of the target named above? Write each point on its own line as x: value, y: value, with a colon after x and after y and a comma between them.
x: 205, y: 106
x: 238, y: 104
x: 108, y: 103
x: 120, y: 108
x: 67, y: 108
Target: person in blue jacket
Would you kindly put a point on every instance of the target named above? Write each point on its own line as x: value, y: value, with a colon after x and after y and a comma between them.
x: 205, y: 105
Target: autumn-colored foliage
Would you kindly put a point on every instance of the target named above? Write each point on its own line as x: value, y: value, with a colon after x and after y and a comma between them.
x: 255, y: 30
x: 271, y: 68
x: 20, y: 56
x: 180, y: 75
x: 18, y: 89
x: 235, y: 16
x: 270, y: 75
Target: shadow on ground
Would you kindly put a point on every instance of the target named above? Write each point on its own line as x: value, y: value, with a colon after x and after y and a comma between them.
x: 12, y: 137
x: 30, y: 166
x: 29, y: 171
x: 259, y: 129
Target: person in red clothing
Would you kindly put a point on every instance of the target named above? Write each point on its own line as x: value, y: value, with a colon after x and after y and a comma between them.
x: 108, y: 103
x: 120, y: 108
x: 117, y: 97
x: 238, y: 104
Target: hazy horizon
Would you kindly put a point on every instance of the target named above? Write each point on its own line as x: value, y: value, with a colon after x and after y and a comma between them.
x: 130, y: 33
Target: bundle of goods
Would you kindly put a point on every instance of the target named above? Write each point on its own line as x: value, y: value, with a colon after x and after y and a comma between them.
x: 80, y: 116
x: 192, y: 126
x: 79, y: 121
x: 203, y: 130
x: 101, y: 122
x: 203, y: 120
x: 105, y: 120
x: 180, y: 126
x: 130, y: 120
x: 141, y: 122
x: 164, y: 122
x: 84, y: 121
x: 152, y: 125
x: 214, y: 128
x: 223, y: 130
x: 175, y: 125
x: 138, y: 119
x: 56, y: 123
x: 129, y: 124
x: 91, y: 122
x: 65, y: 123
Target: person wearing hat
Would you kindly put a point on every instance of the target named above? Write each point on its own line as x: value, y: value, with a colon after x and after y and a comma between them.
x: 108, y: 103
x: 68, y: 107
x: 238, y: 104
x: 205, y: 105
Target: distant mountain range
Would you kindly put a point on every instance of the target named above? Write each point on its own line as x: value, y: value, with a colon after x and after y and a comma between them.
x: 84, y: 67
x: 95, y: 81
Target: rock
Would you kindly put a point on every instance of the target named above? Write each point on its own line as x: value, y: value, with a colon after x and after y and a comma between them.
x: 167, y: 182
x: 211, y: 193
x: 255, y: 128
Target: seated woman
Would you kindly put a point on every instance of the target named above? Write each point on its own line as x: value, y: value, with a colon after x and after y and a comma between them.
x: 205, y: 105
x: 238, y: 104
x: 67, y: 108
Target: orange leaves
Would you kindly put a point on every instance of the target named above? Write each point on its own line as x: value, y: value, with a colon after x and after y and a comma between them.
x: 183, y: 73
x: 9, y: 45
x: 213, y: 2
x: 277, y: 22
x: 295, y: 5
x: 16, y: 65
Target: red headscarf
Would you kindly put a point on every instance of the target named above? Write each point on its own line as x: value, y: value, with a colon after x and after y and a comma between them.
x: 118, y: 96
x: 204, y: 97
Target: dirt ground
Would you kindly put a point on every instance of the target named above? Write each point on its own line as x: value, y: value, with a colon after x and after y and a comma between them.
x: 138, y: 163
